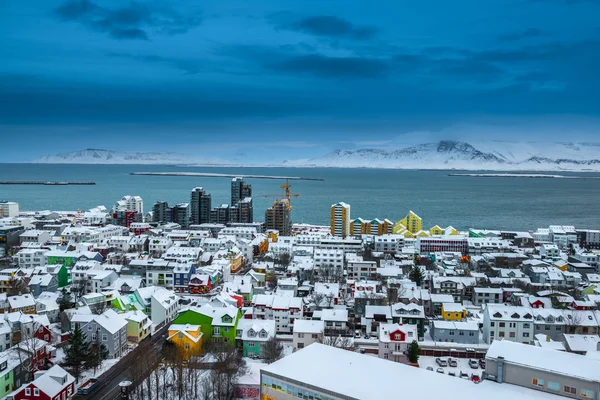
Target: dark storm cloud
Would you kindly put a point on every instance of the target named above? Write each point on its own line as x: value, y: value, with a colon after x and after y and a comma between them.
x: 525, y: 34
x: 329, y: 26
x: 132, y: 21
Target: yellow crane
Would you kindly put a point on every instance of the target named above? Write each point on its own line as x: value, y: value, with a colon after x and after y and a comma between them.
x: 288, y: 195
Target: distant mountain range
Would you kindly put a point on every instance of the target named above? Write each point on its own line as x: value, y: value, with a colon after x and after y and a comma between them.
x: 446, y: 154
x: 442, y: 155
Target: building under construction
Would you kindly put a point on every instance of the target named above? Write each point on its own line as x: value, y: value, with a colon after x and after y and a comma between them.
x: 278, y: 217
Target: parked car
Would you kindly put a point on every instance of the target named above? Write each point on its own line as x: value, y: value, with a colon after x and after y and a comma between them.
x: 441, y: 362
x: 482, y: 363
x: 429, y: 368
x: 451, y: 373
x: 464, y: 375
x: 440, y: 370
x: 473, y: 364
x: 452, y: 362
x: 475, y: 378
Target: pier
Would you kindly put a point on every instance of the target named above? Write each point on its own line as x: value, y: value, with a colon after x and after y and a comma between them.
x: 215, y: 175
x: 49, y: 183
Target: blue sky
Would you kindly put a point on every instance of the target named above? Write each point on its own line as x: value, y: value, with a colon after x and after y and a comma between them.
x: 294, y: 78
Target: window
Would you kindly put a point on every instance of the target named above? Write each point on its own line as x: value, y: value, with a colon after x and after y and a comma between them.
x: 471, y: 333
x: 187, y: 346
x: 104, y: 337
x: 525, y: 334
x: 511, y: 334
x: 501, y: 334
x: 301, y: 336
x: 502, y: 324
x: 587, y: 393
x: 180, y: 336
x: 27, y: 392
x: 93, y: 336
x: 553, y: 386
x: 250, y: 344
x: 537, y: 382
x: 492, y: 324
x: 36, y: 392
x: 315, y: 336
x: 569, y: 389
x: 547, y: 327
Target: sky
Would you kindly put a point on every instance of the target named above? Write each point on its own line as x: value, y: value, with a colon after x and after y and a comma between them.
x: 294, y: 79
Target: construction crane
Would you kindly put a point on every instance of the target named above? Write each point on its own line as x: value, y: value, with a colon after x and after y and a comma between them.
x: 288, y: 195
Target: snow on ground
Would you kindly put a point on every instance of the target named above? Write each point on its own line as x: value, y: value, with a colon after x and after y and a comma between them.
x: 288, y: 348
x: 463, y: 365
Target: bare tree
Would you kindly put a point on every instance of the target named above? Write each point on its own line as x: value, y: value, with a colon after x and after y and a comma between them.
x: 284, y: 259
x: 573, y: 321
x: 28, y: 346
x: 341, y: 342
x: 16, y: 287
x: 228, y: 367
x: 318, y: 299
x: 272, y: 350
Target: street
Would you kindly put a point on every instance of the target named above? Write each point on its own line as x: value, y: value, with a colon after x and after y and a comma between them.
x: 108, y: 384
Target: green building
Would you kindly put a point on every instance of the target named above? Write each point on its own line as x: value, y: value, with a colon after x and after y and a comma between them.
x: 61, y: 273
x: 217, y: 323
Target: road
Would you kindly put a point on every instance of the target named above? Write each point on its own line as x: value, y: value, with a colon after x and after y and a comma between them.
x: 108, y: 385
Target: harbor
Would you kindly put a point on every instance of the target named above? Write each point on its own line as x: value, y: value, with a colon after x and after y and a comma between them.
x: 48, y: 183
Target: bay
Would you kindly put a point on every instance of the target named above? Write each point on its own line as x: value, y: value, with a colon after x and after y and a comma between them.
x: 463, y: 202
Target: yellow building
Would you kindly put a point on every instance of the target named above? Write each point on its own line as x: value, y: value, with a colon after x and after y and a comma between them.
x: 187, y: 338
x: 450, y: 231
x: 340, y: 220
x: 562, y: 265
x: 436, y: 231
x: 453, y: 312
x: 359, y: 227
x: 412, y: 222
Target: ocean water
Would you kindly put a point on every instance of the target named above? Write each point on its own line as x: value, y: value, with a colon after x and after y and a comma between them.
x: 464, y: 202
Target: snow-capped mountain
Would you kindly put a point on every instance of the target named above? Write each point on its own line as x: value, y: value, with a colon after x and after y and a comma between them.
x: 100, y: 156
x: 446, y: 154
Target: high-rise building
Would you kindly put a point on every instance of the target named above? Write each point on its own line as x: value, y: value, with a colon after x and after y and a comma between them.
x: 241, y: 209
x: 220, y: 215
x: 278, y: 217
x: 200, y: 205
x: 9, y: 209
x: 180, y: 214
x: 161, y: 212
x: 130, y: 203
x: 340, y: 219
x: 246, y: 210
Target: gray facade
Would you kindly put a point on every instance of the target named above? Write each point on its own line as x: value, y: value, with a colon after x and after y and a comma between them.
x: 115, y: 340
x: 200, y: 206
x: 454, y: 332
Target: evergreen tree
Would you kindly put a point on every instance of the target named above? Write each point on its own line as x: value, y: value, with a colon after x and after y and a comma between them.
x: 76, y: 353
x: 97, y: 353
x: 416, y: 275
x: 65, y: 302
x: 413, y: 352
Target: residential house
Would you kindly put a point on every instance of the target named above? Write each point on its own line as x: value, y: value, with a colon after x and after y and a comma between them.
x: 110, y: 329
x: 139, y: 326
x: 218, y: 323
x: 164, y: 306
x: 394, y: 340
x: 24, y: 303
x: 307, y: 332
x: 483, y: 295
x: 336, y: 322
x: 53, y: 384
x: 549, y: 322
x: 187, y: 338
x: 436, y: 301
x: 284, y: 310
x: 182, y: 274
x: 200, y: 283
x: 508, y: 322
x: 453, y: 312
x: 581, y: 344
x: 375, y: 316
x: 254, y: 333
x: 43, y: 283
x: 464, y: 332
x: 411, y: 314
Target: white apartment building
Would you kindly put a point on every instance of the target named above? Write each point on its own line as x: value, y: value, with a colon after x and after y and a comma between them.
x: 9, y: 209
x: 183, y: 255
x: 119, y: 242
x: 100, y: 279
x: 130, y: 203
x: 563, y: 235
x: 35, y: 236
x: 164, y: 306
x: 158, y: 245
x: 359, y: 269
x: 307, y: 332
x: 30, y: 258
x: 94, y: 218
x: 345, y: 244
x: 549, y: 251
x: 508, y: 322
x: 284, y: 310
x: 329, y: 257
x: 483, y: 295
x: 388, y: 243
x: 588, y: 258
x: 247, y: 233
x: 307, y: 239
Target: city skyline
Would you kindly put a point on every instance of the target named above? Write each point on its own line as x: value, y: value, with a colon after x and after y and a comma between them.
x: 231, y: 80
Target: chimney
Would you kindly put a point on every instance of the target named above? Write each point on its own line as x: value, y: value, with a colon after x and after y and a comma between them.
x: 500, y: 376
